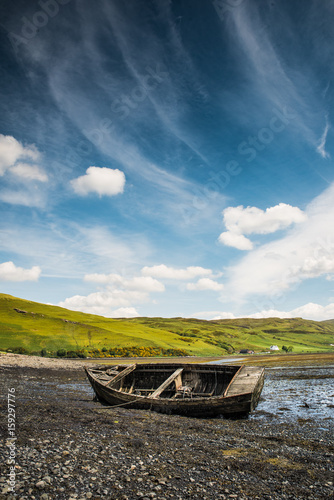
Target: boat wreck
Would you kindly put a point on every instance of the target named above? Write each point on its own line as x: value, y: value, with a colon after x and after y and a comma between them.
x: 198, y: 390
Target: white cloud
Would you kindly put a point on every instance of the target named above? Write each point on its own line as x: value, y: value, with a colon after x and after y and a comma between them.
x: 235, y: 240
x: 312, y: 311
x: 124, y: 312
x: 104, y: 302
x: 140, y: 283
x: 322, y: 143
x: 205, y: 284
x: 29, y: 172
x: 305, y: 252
x: 16, y: 159
x: 119, y: 292
x: 12, y: 150
x: 10, y: 272
x: 103, y: 181
x: 164, y: 272
x: 213, y: 315
x: 253, y: 220
x: 314, y: 266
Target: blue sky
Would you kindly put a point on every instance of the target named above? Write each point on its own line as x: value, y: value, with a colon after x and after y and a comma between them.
x: 168, y: 158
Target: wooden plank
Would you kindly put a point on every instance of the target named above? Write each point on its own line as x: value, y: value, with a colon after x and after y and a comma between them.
x: 245, y: 381
x: 165, y: 384
x: 121, y: 375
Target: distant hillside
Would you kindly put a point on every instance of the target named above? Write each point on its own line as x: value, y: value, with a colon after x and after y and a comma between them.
x: 34, y: 327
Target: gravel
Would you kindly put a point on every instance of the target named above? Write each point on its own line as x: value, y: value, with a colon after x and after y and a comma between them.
x: 69, y: 447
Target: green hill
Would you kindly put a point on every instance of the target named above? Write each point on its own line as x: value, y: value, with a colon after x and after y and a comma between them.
x: 32, y: 327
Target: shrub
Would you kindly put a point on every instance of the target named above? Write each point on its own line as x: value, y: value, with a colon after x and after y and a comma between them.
x: 61, y: 353
x: 71, y: 354
x: 18, y: 350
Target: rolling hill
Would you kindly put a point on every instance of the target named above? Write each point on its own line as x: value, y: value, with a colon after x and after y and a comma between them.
x: 32, y: 327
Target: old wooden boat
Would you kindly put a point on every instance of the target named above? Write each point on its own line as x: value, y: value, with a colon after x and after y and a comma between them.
x: 199, y: 390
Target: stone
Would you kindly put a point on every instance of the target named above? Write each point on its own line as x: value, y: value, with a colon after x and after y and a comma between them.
x: 40, y: 485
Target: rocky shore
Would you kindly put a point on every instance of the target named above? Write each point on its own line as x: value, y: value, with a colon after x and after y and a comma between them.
x: 66, y: 446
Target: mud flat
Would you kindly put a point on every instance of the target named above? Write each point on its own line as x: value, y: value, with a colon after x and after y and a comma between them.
x: 66, y: 446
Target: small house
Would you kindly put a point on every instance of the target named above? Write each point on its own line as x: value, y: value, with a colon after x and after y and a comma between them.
x: 274, y: 348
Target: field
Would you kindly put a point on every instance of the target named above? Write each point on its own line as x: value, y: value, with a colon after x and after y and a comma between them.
x: 35, y: 327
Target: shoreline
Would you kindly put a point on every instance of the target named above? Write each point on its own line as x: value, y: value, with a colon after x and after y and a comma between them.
x: 69, y: 447
x: 267, y: 360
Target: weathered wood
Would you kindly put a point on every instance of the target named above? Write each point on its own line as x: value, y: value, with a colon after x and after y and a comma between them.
x: 166, y: 383
x: 244, y: 381
x: 226, y: 390
x: 121, y: 375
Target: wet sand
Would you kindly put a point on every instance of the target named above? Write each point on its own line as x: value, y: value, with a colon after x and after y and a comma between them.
x: 69, y: 447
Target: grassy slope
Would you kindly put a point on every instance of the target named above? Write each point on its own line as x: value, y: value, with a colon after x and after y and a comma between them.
x: 54, y: 328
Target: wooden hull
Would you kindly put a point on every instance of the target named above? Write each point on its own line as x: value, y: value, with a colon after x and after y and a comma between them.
x: 212, y: 390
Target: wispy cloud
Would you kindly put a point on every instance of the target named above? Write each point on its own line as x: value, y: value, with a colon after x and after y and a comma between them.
x: 321, y: 148
x: 165, y: 272
x: 267, y: 62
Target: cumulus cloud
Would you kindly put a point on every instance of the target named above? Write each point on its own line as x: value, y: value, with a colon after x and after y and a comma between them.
x: 124, y: 312
x: 12, y: 151
x: 213, y: 315
x: 311, y: 311
x: 108, y: 302
x: 164, y: 272
x: 235, y: 240
x: 117, y: 297
x: 29, y: 172
x: 205, y: 284
x: 305, y: 252
x: 140, y: 283
x: 17, y: 160
x: 252, y: 220
x: 100, y: 180
x: 10, y: 272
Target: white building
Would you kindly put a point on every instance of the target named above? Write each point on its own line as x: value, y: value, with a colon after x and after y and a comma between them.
x: 274, y: 348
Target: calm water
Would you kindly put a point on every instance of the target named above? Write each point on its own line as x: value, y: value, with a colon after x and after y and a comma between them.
x: 290, y: 393
x: 296, y: 392
x: 293, y: 393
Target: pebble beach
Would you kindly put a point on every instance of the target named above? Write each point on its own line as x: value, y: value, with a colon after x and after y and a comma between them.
x: 66, y: 446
